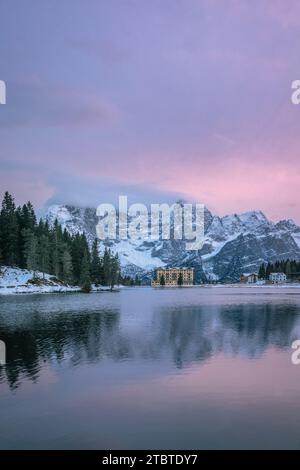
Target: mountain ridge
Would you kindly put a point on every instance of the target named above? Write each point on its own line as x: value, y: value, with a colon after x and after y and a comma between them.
x: 233, y: 244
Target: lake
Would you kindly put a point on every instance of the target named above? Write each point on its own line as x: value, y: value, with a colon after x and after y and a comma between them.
x: 190, y: 368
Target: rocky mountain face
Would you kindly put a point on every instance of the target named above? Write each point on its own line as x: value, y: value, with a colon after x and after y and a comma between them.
x: 233, y: 245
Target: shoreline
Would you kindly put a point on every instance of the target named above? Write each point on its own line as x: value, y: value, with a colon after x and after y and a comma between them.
x: 24, y: 290
x: 6, y: 291
x: 17, y: 281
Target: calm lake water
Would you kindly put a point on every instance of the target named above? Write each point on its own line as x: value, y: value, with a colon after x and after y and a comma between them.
x: 166, y: 368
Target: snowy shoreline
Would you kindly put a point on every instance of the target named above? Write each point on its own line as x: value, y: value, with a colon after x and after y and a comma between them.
x: 253, y: 286
x: 22, y: 281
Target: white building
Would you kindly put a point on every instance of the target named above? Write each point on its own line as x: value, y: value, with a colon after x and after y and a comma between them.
x: 277, y: 278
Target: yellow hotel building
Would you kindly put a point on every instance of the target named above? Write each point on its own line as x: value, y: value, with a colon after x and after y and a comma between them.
x: 171, y: 276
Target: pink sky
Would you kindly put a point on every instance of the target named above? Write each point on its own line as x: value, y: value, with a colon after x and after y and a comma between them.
x: 157, y: 100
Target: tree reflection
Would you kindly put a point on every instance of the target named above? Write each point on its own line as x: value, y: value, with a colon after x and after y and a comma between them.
x: 180, y: 334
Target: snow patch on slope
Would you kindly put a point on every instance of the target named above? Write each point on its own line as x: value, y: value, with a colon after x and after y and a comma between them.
x: 19, y: 281
x: 296, y: 237
x: 135, y: 253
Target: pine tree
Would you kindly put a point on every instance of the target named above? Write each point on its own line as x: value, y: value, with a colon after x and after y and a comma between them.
x: 79, y: 248
x: 180, y: 280
x: 288, y: 268
x: 262, y: 272
x: 9, y: 231
x: 67, y: 269
x: 54, y: 251
x: 269, y: 269
x: 76, y: 254
x: 114, y: 270
x: 106, y: 267
x: 44, y: 255
x: 85, y: 279
x: 26, y: 219
x: 95, y: 264
x: 31, y: 251
x: 162, y: 280
x: 28, y: 216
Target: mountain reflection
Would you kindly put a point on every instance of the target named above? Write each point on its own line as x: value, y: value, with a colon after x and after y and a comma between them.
x: 179, y: 334
x: 196, y: 334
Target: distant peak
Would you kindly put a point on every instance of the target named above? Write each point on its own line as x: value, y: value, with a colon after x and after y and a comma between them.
x: 255, y: 213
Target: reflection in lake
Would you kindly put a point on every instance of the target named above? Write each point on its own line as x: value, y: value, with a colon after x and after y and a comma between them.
x: 164, y: 333
x: 181, y: 334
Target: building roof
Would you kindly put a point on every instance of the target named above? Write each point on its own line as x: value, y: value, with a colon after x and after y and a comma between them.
x: 173, y: 267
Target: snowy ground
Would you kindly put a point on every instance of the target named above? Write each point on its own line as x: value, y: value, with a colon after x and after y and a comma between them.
x: 22, y: 281
x: 293, y: 285
x: 19, y: 281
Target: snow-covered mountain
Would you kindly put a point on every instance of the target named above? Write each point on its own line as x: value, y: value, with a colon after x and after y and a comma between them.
x: 233, y: 244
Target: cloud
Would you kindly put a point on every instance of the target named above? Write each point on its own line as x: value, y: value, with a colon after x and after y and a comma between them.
x: 37, y: 103
x: 88, y: 192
